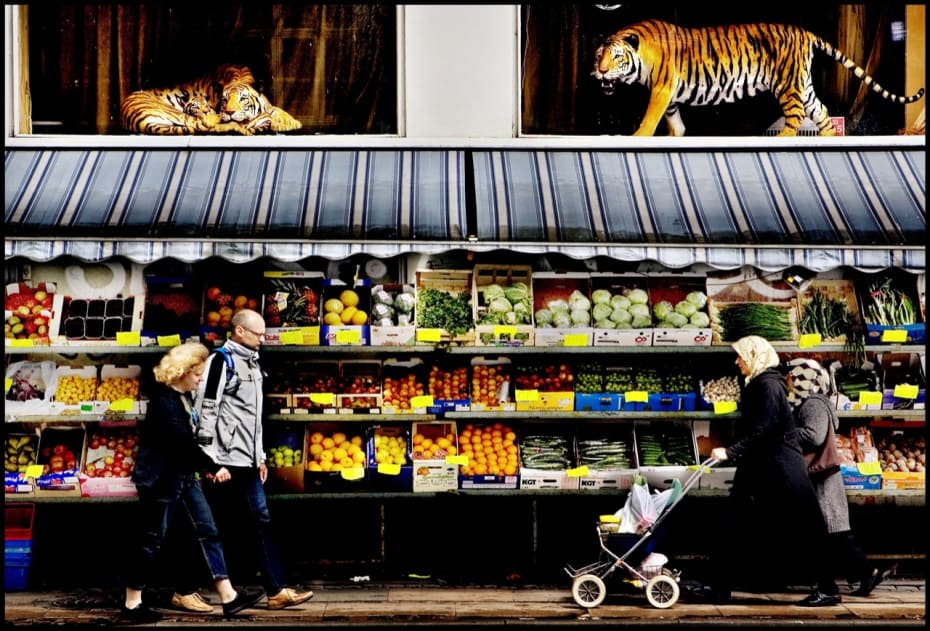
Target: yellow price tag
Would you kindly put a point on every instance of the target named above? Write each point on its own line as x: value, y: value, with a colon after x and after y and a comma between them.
x: 352, y: 473
x: 121, y: 405
x: 33, y: 471
x: 636, y: 396
x: 291, y: 337
x: 388, y: 468
x: 500, y: 331
x: 128, y: 338
x: 460, y: 459
x: 429, y: 335
x: 905, y: 391
x: 894, y: 335
x: 9, y: 384
x: 422, y: 401
x: 808, y: 340
x: 20, y: 343
x: 575, y: 339
x: 169, y: 340
x: 577, y: 472
x: 526, y: 395
x: 311, y: 335
x: 323, y: 398
x: 348, y: 336
x: 869, y: 468
x: 724, y: 407
x: 870, y: 397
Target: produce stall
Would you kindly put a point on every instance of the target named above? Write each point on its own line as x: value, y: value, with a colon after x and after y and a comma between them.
x: 492, y: 369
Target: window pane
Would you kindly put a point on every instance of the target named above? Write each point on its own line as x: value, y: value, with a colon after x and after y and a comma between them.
x: 332, y: 67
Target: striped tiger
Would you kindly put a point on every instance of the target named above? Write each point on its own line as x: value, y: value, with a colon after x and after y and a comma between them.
x: 221, y: 102
x: 717, y: 64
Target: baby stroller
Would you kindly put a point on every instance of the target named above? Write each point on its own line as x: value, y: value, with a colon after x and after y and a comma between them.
x: 635, y: 553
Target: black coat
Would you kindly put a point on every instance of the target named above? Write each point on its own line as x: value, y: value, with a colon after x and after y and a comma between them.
x: 168, y: 447
x: 771, y: 473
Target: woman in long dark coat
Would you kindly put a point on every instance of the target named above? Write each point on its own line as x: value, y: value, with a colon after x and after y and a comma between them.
x: 773, y: 503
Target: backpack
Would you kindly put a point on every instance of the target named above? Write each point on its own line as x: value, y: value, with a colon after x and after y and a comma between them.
x: 213, y: 377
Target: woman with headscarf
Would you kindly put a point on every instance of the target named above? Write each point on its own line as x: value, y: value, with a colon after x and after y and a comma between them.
x: 809, y: 384
x: 771, y: 487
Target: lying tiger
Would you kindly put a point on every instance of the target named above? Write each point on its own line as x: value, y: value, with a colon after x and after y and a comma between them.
x: 222, y: 102
x: 712, y: 65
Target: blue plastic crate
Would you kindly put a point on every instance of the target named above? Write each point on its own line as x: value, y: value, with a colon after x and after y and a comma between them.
x: 17, y: 546
x: 15, y: 577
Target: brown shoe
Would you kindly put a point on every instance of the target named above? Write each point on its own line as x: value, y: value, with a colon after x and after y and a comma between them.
x: 191, y: 602
x: 287, y: 597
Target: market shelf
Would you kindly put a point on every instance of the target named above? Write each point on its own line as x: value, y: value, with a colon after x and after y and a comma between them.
x: 352, y: 418
x: 122, y: 419
x: 878, y: 497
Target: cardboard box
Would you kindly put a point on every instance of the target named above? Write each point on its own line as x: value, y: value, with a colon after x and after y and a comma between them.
x: 286, y: 457
x: 449, y: 385
x: 544, y: 387
x: 827, y: 292
x: 861, y: 477
x: 28, y: 311
x: 17, y: 484
x: 553, y: 292
x: 893, y: 281
x: 335, y: 457
x: 434, y: 473
x: 480, y: 443
x: 520, y: 332
x: 606, y: 472
x: 354, y: 331
x: 619, y: 287
x: 32, y: 387
x: 904, y: 386
x: 109, y: 457
x: 359, y: 388
x: 496, y: 392
x: 393, y: 315
x: 904, y: 480
x: 389, y: 465
x: 227, y: 290
x: 720, y: 478
x: 552, y: 445
x: 95, y: 303
x: 749, y: 289
x: 403, y: 386
x: 86, y: 381
x: 444, y: 292
x: 173, y: 307
x: 665, y: 451
x: 118, y: 391
x: 292, y: 306
x: 64, y: 481
x: 312, y: 385
x: 673, y: 290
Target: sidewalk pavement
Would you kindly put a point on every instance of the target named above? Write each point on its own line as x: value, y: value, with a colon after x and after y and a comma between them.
x: 896, y: 602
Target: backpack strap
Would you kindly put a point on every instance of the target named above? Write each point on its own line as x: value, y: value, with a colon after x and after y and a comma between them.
x: 213, y: 376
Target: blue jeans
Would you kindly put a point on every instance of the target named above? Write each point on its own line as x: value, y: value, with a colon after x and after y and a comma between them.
x: 157, y: 508
x: 243, y: 497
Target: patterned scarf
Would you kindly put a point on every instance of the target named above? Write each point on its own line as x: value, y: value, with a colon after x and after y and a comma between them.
x: 808, y: 377
x: 757, y: 354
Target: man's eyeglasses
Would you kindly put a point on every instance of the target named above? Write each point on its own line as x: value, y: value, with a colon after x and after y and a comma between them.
x: 255, y: 333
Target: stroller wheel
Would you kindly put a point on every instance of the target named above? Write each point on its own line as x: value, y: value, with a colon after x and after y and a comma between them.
x: 662, y: 591
x: 589, y: 590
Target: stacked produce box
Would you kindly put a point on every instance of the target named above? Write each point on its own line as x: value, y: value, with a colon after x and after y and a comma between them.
x: 503, y: 300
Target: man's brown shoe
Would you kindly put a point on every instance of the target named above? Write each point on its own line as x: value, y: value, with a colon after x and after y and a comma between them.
x: 288, y: 597
x: 191, y: 602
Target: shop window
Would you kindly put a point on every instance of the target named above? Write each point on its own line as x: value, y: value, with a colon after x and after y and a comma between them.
x: 561, y: 96
x: 332, y: 67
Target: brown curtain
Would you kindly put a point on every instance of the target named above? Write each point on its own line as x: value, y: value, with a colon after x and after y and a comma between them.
x: 331, y: 66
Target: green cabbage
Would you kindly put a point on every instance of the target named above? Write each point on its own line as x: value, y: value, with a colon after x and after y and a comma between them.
x: 517, y: 292
x: 641, y: 322
x: 675, y: 320
x: 619, y: 315
x: 605, y: 324
x: 697, y: 298
x: 661, y: 309
x: 699, y: 320
x: 558, y: 306
x: 580, y: 317
x: 639, y: 309
x: 600, y: 296
x: 637, y: 296
x: 685, y: 308
x: 619, y: 300
x: 578, y: 300
x: 601, y: 311
x: 404, y: 303
x: 500, y: 305
x: 492, y: 291
x: 561, y: 320
x: 543, y: 317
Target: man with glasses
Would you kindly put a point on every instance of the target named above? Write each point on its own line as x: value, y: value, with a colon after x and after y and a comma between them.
x: 229, y: 402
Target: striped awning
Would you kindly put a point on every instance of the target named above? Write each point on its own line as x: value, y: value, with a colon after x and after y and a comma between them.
x: 771, y: 209
x: 239, y: 205
x: 820, y: 209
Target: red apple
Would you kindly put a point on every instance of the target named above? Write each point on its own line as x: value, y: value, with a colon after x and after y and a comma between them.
x: 56, y: 464
x: 108, y: 460
x: 90, y: 470
x: 58, y: 450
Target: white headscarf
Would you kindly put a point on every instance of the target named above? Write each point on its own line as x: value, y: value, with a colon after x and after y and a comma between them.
x: 808, y: 376
x: 757, y: 353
